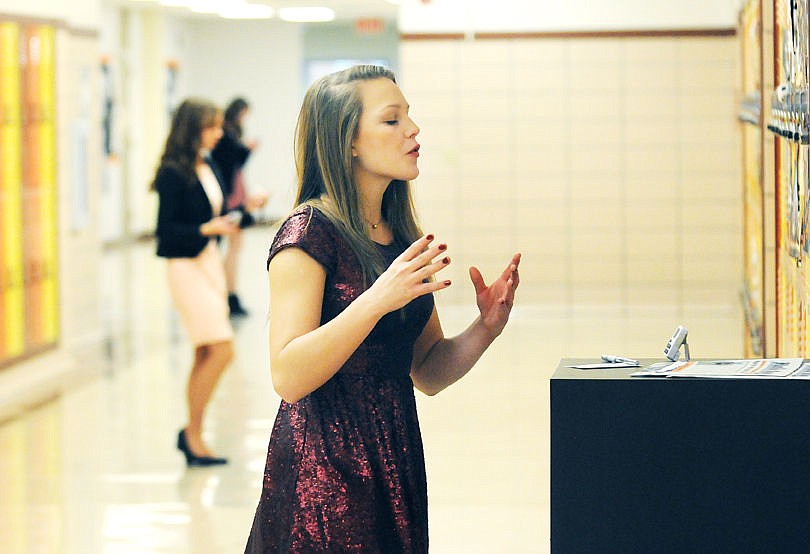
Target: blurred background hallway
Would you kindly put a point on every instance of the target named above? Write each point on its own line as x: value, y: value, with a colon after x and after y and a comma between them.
x: 600, y: 139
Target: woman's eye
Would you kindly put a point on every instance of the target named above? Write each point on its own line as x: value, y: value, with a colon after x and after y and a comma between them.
x: 392, y: 122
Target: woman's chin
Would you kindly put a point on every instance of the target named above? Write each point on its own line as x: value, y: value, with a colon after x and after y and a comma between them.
x: 411, y: 175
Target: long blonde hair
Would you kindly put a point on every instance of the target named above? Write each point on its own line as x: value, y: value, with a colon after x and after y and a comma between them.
x: 327, y: 125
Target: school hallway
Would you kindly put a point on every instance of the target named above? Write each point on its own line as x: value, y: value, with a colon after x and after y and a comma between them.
x: 95, y: 470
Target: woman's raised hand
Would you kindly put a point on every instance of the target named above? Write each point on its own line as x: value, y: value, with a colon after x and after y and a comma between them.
x: 257, y: 201
x: 408, y: 276
x: 220, y: 225
x: 495, y: 301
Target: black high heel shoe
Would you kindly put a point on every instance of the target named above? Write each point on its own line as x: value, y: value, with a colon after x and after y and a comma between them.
x: 235, y: 306
x: 192, y: 460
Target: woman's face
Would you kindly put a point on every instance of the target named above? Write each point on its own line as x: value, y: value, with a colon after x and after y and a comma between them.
x: 243, y: 115
x: 385, y: 147
x: 210, y: 135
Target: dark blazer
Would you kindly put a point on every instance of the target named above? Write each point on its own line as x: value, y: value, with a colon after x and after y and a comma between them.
x: 230, y: 154
x: 182, y: 207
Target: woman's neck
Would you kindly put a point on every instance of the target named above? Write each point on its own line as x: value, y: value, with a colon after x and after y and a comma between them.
x: 371, y: 196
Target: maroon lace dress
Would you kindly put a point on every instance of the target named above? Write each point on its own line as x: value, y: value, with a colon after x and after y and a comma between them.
x: 345, y: 467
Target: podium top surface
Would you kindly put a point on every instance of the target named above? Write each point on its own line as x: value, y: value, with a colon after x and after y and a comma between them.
x: 565, y: 372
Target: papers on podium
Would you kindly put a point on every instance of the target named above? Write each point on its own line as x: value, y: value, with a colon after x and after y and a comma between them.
x: 731, y: 369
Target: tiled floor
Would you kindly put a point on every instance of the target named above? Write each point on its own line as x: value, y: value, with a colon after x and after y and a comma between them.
x: 95, y: 471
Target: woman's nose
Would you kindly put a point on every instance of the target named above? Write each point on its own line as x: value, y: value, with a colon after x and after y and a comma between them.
x: 413, y: 130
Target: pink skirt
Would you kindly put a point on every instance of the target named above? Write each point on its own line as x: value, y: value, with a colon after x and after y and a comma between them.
x: 200, y: 296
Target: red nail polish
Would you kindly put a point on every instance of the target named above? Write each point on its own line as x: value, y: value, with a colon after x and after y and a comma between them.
x: 429, y: 237
x: 447, y: 283
x: 442, y: 247
x: 446, y: 260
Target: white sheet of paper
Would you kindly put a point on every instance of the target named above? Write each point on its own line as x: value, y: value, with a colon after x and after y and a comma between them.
x: 603, y: 365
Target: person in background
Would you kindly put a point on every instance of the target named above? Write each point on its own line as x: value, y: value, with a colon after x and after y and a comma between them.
x: 230, y: 155
x: 353, y: 329
x: 189, y: 221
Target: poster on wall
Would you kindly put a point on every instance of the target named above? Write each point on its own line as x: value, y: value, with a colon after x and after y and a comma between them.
x: 112, y: 210
x: 791, y: 169
x: 804, y: 177
x: 108, y: 106
x: 789, y: 100
x: 172, y: 72
x: 79, y: 152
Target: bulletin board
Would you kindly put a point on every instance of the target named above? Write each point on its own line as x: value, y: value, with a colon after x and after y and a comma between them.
x: 789, y: 123
x: 29, y: 231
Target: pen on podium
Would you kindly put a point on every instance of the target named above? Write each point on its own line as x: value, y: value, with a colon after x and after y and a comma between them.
x: 618, y: 359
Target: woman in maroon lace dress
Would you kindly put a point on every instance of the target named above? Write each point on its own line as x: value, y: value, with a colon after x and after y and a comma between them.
x: 353, y: 328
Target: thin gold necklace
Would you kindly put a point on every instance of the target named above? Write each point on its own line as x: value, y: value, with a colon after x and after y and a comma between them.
x: 374, y: 225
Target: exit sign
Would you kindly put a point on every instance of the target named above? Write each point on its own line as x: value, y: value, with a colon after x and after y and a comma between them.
x: 369, y: 25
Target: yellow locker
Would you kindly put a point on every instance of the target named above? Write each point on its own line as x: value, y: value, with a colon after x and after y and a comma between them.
x: 49, y: 215
x: 39, y: 179
x: 12, y: 304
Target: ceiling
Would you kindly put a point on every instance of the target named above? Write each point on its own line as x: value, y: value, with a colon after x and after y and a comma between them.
x: 344, y: 9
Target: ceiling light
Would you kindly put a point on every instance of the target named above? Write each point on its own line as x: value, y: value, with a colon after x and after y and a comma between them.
x: 246, y: 11
x: 230, y: 9
x: 204, y: 6
x: 306, y: 15
x: 178, y: 3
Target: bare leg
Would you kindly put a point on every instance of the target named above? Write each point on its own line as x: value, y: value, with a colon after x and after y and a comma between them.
x: 231, y: 260
x: 210, y: 361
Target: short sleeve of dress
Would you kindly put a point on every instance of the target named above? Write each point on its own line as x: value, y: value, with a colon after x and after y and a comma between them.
x: 308, y: 229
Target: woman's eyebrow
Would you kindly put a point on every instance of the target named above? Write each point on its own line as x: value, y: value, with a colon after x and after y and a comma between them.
x: 397, y: 105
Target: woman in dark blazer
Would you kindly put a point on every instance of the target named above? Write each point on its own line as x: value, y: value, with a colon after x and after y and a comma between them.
x: 230, y: 155
x: 189, y: 221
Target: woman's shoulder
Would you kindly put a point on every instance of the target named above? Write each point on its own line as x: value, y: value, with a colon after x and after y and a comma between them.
x: 225, y: 141
x: 308, y: 212
x: 169, y: 175
x: 306, y: 220
x: 308, y: 228
x: 227, y: 145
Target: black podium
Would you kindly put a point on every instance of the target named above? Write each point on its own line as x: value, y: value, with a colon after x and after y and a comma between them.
x: 641, y: 465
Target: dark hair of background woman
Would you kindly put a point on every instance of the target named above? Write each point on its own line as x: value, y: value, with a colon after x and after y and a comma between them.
x: 231, y: 125
x: 184, y: 140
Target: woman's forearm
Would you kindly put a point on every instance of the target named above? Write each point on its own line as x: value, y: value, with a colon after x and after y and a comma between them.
x: 450, y: 359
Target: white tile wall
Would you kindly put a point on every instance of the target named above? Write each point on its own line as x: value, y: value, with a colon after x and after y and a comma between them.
x: 611, y: 164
